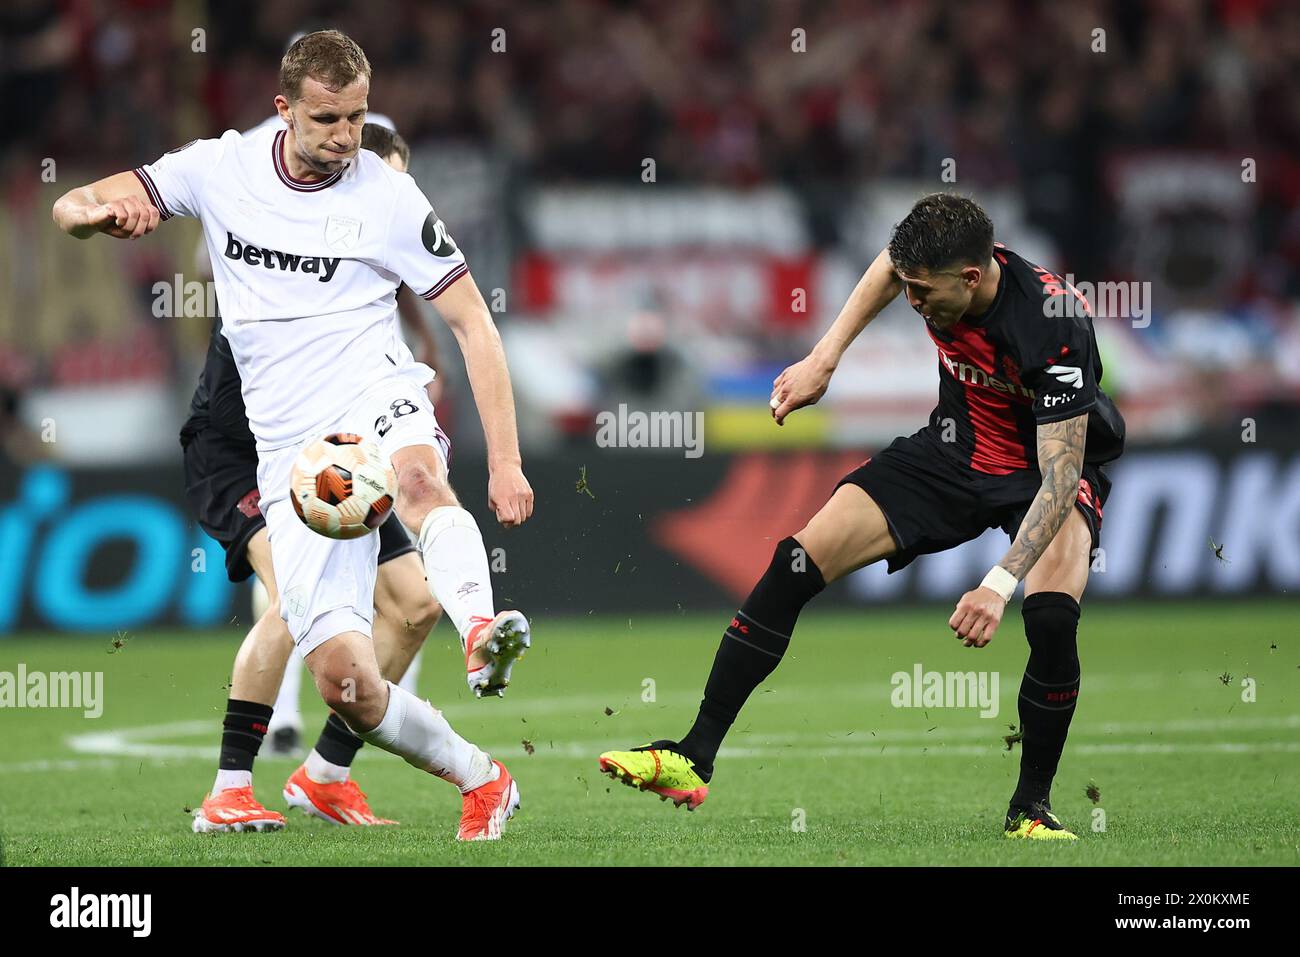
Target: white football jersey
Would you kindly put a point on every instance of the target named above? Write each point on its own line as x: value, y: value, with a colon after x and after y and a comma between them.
x: 306, y: 272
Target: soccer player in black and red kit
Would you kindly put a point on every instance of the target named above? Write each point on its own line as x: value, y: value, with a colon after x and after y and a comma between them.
x: 1017, y: 442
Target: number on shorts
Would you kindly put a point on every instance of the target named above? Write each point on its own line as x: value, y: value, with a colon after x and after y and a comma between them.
x: 400, y: 407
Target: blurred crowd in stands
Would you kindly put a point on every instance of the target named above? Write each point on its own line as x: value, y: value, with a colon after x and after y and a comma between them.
x: 1033, y: 95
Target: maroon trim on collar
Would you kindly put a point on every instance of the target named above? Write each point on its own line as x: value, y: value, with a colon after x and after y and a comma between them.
x: 301, y: 185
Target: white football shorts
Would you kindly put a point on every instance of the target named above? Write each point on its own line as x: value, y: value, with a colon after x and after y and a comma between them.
x: 327, y: 586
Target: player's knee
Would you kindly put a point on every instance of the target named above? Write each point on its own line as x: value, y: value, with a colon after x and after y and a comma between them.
x: 270, y: 609
x: 420, y: 490
x: 273, y: 628
x: 810, y: 547
x: 356, y: 693
x: 794, y: 571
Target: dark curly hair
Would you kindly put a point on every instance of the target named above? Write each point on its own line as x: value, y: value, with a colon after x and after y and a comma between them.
x: 942, y: 230
x: 384, y: 141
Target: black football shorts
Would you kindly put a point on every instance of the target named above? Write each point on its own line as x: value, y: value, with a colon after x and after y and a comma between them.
x: 221, y: 486
x: 933, y: 502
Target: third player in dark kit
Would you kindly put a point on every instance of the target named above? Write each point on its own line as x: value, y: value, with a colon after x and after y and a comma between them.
x: 1017, y: 442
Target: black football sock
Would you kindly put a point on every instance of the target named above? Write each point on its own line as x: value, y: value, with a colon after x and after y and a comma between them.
x: 242, y: 734
x: 751, y: 648
x: 337, y: 744
x: 1048, y: 691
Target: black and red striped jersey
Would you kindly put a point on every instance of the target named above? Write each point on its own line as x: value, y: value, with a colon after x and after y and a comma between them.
x: 1030, y: 359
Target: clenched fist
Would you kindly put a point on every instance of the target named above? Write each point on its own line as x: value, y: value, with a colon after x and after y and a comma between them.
x: 126, y: 218
x: 801, y: 384
x: 510, y: 496
x: 977, y: 616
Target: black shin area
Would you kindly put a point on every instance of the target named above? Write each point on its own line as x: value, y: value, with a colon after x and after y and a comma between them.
x: 242, y: 733
x: 752, y: 647
x: 1048, y: 691
x: 337, y: 744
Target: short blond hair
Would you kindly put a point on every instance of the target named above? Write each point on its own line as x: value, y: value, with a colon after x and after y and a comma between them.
x: 327, y: 56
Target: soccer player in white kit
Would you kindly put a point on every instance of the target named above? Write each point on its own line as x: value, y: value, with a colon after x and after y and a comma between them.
x: 310, y: 238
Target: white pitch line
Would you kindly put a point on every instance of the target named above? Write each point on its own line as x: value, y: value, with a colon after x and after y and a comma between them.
x: 113, y: 748
x: 579, y: 750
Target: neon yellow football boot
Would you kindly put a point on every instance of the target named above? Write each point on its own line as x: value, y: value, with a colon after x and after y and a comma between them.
x: 657, y: 767
x: 1036, y: 822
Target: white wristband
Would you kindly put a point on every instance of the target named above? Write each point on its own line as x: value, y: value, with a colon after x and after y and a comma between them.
x: 1001, y: 581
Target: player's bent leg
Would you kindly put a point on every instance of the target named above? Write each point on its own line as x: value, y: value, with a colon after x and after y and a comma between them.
x: 456, y: 567
x: 260, y: 662
x: 404, y: 614
x: 231, y: 804
x: 1064, y: 566
x: 1049, y: 690
x: 848, y: 532
x: 259, y: 665
x: 347, y: 677
x: 284, y: 729
x: 396, y: 721
x: 322, y: 786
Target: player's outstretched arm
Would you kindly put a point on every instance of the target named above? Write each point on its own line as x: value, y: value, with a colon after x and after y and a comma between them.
x: 413, y: 322
x: 117, y: 205
x: 1060, y: 459
x: 805, y: 382
x: 463, y: 309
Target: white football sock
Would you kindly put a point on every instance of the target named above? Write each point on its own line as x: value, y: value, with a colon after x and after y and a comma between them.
x: 456, y: 565
x: 412, y: 677
x: 286, y: 713
x: 419, y: 733
x: 232, y: 779
x: 322, y: 771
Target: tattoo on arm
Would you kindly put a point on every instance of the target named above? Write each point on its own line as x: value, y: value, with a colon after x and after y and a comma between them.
x: 1060, y: 459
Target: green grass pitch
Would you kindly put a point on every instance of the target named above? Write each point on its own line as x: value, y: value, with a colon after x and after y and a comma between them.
x: 820, y: 769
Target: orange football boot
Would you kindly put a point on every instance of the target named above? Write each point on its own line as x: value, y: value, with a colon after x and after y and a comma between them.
x: 339, y: 802
x: 491, y: 650
x: 235, y: 809
x: 487, y: 808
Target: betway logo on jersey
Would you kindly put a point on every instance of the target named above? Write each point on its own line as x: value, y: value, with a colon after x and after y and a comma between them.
x: 965, y: 372
x: 321, y: 266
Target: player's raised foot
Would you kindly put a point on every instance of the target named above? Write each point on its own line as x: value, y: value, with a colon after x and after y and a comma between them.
x: 659, y: 768
x: 485, y: 810
x: 339, y: 802
x: 491, y: 650
x: 235, y: 809
x: 1036, y: 822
